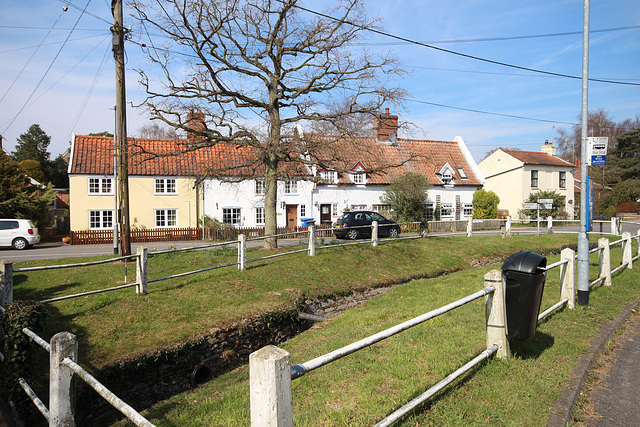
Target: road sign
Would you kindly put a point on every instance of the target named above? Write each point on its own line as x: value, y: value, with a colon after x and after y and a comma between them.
x: 531, y: 206
x: 546, y: 205
x: 545, y: 201
x: 597, y: 150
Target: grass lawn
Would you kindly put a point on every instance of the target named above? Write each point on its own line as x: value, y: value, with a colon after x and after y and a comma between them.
x: 362, y: 388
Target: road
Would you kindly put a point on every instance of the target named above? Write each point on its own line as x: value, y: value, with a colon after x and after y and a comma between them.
x: 56, y: 250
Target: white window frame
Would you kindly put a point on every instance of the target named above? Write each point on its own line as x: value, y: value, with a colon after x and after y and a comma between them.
x: 448, y: 207
x: 384, y: 210
x: 106, y: 223
x: 259, y: 188
x: 102, y: 184
x: 535, y: 178
x: 359, y: 178
x: 329, y: 177
x: 166, y: 220
x: 259, y: 215
x: 161, y: 186
x: 447, y: 177
x: 358, y: 207
x: 467, y: 209
x: 237, y: 216
x: 290, y: 186
x: 562, y: 179
x: 429, y: 211
x: 303, y: 211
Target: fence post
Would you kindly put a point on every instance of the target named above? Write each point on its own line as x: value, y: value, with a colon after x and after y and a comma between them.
x: 242, y: 252
x: 604, y: 260
x: 568, y: 277
x: 470, y: 227
x: 61, y: 386
x: 507, y: 231
x: 614, y: 226
x: 270, y: 388
x: 627, y: 252
x: 496, y: 314
x: 141, y: 271
x: 549, y: 225
x: 374, y: 233
x: 312, y: 239
x: 6, y: 282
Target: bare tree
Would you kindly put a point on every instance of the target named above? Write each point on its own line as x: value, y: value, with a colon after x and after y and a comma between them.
x: 256, y: 69
x: 155, y: 131
x: 600, y: 123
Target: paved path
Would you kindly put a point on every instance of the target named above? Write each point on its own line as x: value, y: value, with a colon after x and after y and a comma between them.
x: 615, y: 397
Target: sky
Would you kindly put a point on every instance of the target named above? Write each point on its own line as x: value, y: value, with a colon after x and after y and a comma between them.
x: 57, y: 68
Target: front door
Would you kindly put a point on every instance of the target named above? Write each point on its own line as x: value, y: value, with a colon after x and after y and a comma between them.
x: 292, y: 216
x: 325, y: 214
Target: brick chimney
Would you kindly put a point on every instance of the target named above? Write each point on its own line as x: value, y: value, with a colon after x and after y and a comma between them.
x: 195, y: 125
x: 549, y: 148
x: 384, y: 125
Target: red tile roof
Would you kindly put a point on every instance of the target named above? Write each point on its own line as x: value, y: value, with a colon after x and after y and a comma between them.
x: 384, y: 161
x: 537, y: 158
x: 168, y: 157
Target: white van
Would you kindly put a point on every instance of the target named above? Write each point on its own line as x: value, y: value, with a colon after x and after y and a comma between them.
x: 19, y: 233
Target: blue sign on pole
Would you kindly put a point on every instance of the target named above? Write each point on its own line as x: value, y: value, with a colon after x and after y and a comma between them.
x: 598, y: 160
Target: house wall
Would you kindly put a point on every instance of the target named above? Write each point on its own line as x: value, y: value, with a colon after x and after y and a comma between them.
x: 142, y: 201
x: 510, y: 179
x: 220, y: 195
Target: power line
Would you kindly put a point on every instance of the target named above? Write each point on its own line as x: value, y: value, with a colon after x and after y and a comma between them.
x: 32, y: 55
x: 452, y: 52
x: 47, y: 71
x: 52, y: 43
x: 506, y: 38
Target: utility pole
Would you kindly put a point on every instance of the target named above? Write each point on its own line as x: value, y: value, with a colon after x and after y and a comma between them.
x: 119, y: 34
x: 583, y: 238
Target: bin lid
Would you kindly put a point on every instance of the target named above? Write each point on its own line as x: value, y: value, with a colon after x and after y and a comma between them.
x: 525, y: 262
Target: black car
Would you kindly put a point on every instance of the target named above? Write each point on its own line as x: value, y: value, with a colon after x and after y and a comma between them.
x: 352, y: 225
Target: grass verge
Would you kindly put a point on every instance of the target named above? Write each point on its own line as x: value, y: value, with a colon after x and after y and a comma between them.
x: 112, y: 325
x: 363, y: 388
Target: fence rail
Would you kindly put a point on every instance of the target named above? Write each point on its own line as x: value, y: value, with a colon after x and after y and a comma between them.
x: 63, y: 353
x: 270, y: 387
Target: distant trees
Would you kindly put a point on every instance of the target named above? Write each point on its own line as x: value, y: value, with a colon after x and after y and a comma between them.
x: 406, y: 196
x: 600, y: 123
x: 32, y: 146
x: 485, y: 204
x: 18, y: 197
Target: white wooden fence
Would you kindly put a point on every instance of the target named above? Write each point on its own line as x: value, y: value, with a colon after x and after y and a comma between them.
x: 271, y: 374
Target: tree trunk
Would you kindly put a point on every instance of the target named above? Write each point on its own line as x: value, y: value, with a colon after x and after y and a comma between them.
x: 271, y: 202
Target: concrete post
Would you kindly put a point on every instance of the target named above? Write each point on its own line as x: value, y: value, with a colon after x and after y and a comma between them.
x: 242, y: 252
x: 638, y: 234
x: 549, y: 225
x: 627, y: 252
x: 61, y: 385
x: 6, y: 282
x: 374, y: 233
x: 614, y: 227
x: 568, y: 277
x: 507, y: 231
x: 496, y: 314
x: 141, y: 271
x: 270, y: 388
x: 470, y: 227
x: 604, y: 260
x: 312, y: 240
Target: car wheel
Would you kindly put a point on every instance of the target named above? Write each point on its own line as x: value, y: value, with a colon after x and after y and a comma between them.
x: 352, y: 234
x: 394, y: 231
x: 20, y: 243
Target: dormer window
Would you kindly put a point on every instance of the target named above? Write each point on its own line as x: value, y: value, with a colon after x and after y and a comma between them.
x: 329, y: 177
x: 446, y: 175
x: 358, y: 174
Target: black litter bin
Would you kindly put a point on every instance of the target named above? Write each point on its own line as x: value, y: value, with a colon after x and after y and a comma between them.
x: 524, y: 280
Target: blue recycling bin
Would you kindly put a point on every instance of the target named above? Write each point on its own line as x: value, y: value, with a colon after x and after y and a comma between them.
x: 304, y: 222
